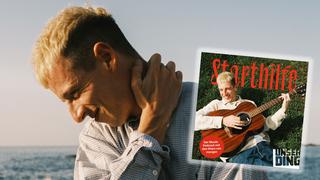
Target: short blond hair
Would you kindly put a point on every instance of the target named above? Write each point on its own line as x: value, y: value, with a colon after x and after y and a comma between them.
x: 226, y: 77
x: 72, y: 34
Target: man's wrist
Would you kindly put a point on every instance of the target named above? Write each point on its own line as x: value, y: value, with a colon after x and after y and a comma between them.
x: 154, y: 124
x: 222, y: 124
x: 157, y: 133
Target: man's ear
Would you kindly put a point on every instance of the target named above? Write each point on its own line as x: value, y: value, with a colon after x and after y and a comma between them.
x: 105, y: 54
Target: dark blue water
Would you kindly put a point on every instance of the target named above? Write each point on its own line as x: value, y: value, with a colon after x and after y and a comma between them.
x: 58, y: 163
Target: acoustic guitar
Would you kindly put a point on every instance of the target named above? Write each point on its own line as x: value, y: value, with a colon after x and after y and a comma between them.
x: 234, y: 139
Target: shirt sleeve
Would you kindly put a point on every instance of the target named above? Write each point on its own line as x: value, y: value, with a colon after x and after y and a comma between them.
x: 141, y: 159
x: 203, y: 122
x: 275, y: 120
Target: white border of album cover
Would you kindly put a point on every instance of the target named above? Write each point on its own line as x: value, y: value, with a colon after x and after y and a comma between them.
x: 253, y: 54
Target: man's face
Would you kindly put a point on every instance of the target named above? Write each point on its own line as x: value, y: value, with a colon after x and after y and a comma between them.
x: 102, y: 94
x: 228, y: 92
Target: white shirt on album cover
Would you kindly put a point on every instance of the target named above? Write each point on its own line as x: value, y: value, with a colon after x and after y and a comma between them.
x: 203, y: 122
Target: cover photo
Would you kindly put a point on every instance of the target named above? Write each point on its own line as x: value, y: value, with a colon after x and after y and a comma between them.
x: 250, y: 110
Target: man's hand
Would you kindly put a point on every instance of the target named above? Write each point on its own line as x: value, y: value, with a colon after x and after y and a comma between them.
x: 233, y: 122
x: 286, y: 99
x: 156, y: 94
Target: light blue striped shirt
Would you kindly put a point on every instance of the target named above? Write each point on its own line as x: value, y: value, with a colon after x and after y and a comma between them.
x: 123, y: 153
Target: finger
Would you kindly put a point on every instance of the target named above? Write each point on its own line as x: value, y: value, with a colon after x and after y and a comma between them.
x: 281, y: 96
x: 164, y: 71
x: 136, y: 81
x: 285, y: 97
x: 154, y: 64
x: 238, y: 124
x: 179, y: 76
x: 179, y: 81
x: 236, y: 127
x: 288, y: 97
x: 162, y: 67
x: 242, y: 124
x: 171, y: 66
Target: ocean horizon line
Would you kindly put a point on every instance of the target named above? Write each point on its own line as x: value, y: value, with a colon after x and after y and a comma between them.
x: 38, y: 146
x: 48, y: 146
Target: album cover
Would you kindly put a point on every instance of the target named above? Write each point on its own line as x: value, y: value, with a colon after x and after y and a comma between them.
x: 250, y: 109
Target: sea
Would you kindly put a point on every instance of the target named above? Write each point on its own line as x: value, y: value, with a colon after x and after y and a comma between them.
x: 50, y: 163
x: 45, y: 163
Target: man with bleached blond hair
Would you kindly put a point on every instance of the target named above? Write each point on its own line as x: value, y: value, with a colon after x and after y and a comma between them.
x: 140, y: 111
x: 257, y: 150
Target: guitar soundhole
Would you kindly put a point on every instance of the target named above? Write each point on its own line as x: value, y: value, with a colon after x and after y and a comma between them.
x: 245, y: 118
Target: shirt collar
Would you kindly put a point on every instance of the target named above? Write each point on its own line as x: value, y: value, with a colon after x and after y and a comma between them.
x: 235, y: 103
x: 133, y: 122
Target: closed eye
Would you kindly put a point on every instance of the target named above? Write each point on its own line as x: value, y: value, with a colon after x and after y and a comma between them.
x: 75, y: 94
x: 72, y: 93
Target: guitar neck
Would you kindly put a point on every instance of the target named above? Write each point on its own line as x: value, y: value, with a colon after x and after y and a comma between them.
x: 274, y: 102
x: 264, y: 107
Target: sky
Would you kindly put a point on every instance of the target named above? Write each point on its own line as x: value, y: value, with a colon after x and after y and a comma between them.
x: 31, y: 115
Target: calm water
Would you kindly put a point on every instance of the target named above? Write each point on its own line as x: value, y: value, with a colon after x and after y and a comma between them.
x: 58, y: 162
x: 37, y: 162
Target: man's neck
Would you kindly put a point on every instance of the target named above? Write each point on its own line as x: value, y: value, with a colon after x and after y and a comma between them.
x: 236, y: 98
